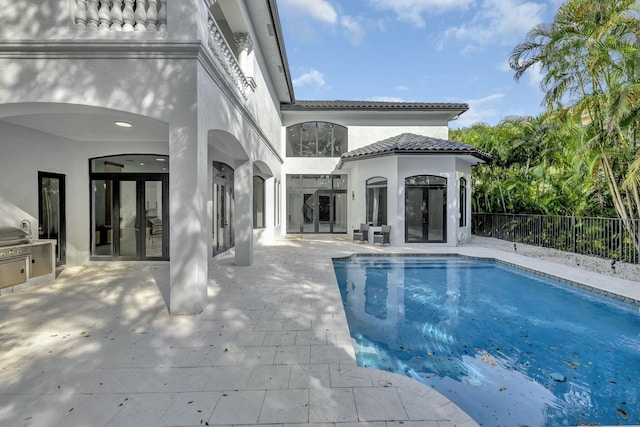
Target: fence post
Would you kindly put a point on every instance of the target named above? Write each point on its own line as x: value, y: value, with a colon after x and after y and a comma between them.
x: 621, y: 240
x: 575, y: 234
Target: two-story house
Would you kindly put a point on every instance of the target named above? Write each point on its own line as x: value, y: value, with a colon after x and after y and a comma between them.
x: 168, y: 130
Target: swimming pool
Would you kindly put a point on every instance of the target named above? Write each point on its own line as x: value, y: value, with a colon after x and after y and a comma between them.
x: 508, y: 346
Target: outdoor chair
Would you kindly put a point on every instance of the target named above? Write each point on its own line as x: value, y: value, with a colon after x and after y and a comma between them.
x: 362, y: 234
x: 382, y: 236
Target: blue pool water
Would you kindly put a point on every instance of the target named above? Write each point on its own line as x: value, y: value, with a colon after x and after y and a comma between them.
x: 508, y: 346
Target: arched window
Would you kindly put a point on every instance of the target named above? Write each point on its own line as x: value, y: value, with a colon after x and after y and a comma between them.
x: 316, y: 139
x: 258, y: 202
x: 463, y: 202
x: 377, y: 201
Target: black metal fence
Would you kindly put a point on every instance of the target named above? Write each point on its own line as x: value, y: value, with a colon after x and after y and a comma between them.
x: 611, y: 238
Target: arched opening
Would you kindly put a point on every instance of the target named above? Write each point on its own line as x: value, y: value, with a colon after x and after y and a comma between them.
x: 425, y: 209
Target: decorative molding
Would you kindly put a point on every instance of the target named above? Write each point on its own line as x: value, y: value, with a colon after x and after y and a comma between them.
x: 243, y: 41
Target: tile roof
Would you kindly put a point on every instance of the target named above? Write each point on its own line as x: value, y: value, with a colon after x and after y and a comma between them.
x: 408, y: 143
x: 373, y: 105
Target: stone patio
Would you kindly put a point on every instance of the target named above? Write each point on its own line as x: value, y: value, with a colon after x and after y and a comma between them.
x: 97, y: 347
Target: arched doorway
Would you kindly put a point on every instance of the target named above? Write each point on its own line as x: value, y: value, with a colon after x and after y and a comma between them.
x: 425, y: 209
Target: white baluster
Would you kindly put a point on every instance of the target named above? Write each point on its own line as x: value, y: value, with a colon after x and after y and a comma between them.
x: 116, y: 15
x: 152, y: 15
x: 141, y: 15
x: 81, y: 14
x: 162, y: 16
x: 104, y: 15
x: 92, y: 15
x: 128, y: 16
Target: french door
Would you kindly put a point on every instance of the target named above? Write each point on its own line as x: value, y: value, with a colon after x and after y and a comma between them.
x: 51, y: 212
x: 130, y: 217
x: 425, y: 209
x: 223, y: 207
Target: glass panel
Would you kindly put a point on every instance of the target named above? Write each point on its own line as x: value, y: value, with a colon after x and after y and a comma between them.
x: 131, y: 163
x: 293, y: 141
x: 324, y: 213
x: 221, y: 216
x: 309, y: 134
x: 413, y: 214
x: 308, y: 213
x: 49, y: 227
x: 153, y: 218
x: 102, y: 217
x: 340, y: 213
x: 425, y: 180
x: 436, y: 203
x: 463, y: 202
x: 325, y: 142
x: 258, y: 202
x: 128, y: 218
x: 377, y: 201
x: 339, y: 140
x: 339, y: 182
x: 294, y: 211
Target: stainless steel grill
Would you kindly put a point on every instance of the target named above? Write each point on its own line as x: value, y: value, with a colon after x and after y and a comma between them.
x: 12, y: 236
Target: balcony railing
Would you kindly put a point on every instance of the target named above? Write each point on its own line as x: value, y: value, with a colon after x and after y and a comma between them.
x: 230, y: 66
x: 121, y: 15
x: 612, y: 238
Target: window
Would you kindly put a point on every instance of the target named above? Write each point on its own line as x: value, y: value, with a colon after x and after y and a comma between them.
x: 463, y: 202
x: 316, y: 139
x: 258, y: 202
x: 377, y: 201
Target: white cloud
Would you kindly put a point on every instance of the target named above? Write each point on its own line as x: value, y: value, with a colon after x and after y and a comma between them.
x: 480, y: 110
x: 401, y: 88
x: 387, y: 99
x: 504, y: 67
x: 354, y: 29
x: 310, y: 78
x: 498, y: 21
x: 412, y: 11
x: 535, y: 75
x: 320, y: 10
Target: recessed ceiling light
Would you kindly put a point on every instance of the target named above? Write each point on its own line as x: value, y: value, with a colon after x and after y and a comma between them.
x: 161, y: 160
x: 141, y: 164
x: 123, y: 124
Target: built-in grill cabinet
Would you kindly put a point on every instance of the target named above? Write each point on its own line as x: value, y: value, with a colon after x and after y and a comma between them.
x: 13, y: 272
x: 40, y: 260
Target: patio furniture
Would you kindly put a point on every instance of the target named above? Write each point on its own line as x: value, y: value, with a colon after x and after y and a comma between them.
x: 362, y: 234
x: 382, y: 236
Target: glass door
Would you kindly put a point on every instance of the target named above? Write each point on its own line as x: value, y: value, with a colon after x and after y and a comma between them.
x: 325, y: 212
x: 223, y: 199
x: 425, y: 209
x: 414, y: 219
x: 130, y: 218
x: 51, y: 212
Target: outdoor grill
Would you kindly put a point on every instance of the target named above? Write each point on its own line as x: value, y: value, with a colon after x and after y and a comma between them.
x: 14, y: 252
x: 12, y: 236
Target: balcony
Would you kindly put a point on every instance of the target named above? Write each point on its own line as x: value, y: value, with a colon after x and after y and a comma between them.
x: 120, y: 15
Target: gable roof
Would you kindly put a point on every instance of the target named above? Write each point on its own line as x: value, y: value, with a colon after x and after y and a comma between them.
x: 409, y: 143
x: 374, y: 105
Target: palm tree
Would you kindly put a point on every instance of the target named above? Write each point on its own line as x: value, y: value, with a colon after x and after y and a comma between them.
x: 590, y: 61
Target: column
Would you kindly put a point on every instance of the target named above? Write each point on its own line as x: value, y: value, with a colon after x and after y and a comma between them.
x: 188, y: 215
x: 243, y: 213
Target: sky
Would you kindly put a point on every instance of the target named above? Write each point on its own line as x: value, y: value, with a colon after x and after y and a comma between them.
x: 415, y: 51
